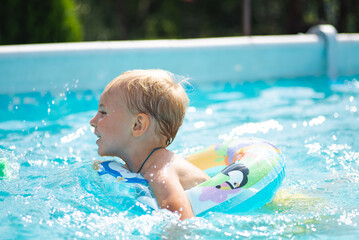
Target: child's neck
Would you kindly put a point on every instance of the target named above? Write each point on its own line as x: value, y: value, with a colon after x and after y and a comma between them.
x: 141, y: 152
x: 149, y: 155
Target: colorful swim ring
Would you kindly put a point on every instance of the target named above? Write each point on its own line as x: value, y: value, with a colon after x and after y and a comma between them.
x: 4, y: 169
x: 245, y: 175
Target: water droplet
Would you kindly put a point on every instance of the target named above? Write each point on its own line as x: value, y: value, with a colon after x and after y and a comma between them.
x: 191, y: 109
x: 209, y: 111
x: 200, y: 124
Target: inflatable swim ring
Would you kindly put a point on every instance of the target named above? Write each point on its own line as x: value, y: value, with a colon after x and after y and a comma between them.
x: 4, y: 169
x: 245, y: 175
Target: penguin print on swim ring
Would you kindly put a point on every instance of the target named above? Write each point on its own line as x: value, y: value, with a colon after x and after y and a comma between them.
x: 238, y: 176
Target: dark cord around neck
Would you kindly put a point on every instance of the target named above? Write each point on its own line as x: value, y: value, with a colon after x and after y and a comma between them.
x: 154, y: 150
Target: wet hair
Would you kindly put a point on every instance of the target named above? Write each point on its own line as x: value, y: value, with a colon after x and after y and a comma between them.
x: 157, y: 93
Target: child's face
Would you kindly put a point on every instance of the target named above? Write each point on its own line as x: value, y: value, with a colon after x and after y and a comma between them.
x: 112, y: 124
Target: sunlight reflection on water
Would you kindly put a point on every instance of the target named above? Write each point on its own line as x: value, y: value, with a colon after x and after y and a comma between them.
x: 53, y: 190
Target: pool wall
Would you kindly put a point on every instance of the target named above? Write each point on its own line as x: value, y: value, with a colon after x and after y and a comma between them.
x: 90, y: 65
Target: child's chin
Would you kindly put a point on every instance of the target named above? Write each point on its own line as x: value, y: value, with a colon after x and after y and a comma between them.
x: 101, y: 153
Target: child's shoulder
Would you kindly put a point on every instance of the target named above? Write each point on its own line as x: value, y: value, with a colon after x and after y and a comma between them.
x: 161, y: 165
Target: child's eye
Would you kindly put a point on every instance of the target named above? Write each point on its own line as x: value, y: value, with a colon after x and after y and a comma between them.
x: 102, y: 112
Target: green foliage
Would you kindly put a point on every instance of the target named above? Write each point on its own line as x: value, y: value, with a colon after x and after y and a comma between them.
x: 39, y: 21
x: 30, y: 21
x: 151, y: 19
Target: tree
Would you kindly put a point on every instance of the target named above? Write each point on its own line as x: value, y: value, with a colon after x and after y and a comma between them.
x: 38, y: 21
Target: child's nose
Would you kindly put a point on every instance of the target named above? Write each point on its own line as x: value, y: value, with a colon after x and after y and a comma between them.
x: 93, y: 121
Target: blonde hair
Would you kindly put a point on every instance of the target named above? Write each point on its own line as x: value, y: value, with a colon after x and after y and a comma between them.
x: 154, y: 92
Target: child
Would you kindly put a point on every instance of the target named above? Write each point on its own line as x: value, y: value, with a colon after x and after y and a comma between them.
x: 139, y: 115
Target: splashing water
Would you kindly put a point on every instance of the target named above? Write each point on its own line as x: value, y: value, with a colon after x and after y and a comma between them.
x: 53, y: 190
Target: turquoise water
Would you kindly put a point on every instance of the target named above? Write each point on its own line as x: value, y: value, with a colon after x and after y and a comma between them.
x: 53, y: 191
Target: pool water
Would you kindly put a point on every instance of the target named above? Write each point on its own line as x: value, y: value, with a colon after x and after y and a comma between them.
x: 53, y: 191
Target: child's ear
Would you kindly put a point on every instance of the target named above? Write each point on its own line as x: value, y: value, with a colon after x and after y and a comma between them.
x: 140, y: 125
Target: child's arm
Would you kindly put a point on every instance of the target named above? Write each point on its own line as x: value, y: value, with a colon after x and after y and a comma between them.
x: 169, y: 192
